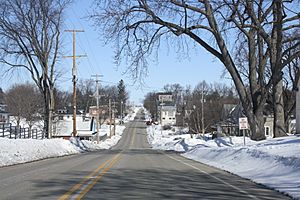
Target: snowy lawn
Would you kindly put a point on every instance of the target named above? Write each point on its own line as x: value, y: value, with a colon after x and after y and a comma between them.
x: 273, y: 162
x: 26, y: 150
x: 15, y: 151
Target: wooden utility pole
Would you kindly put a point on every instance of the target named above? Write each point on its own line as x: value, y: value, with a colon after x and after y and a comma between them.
x: 112, y: 118
x: 74, y: 72
x: 97, y: 104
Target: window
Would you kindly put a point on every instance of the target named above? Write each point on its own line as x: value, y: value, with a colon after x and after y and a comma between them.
x: 267, y: 131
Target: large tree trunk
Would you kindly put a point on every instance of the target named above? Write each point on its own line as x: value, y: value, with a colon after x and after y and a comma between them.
x: 256, y: 123
x: 46, y: 115
x: 51, y: 107
x: 275, y: 58
x: 48, y: 107
x: 279, y: 121
x: 255, y: 118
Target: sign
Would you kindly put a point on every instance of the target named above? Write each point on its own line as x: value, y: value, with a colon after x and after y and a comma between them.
x: 243, y: 123
x: 165, y: 98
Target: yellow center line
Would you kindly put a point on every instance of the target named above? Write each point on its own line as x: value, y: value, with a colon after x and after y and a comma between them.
x: 132, y: 138
x: 88, y: 177
x: 85, y: 185
x: 77, y: 186
x: 91, y: 184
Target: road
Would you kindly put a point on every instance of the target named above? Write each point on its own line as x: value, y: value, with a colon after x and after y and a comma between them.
x: 131, y: 170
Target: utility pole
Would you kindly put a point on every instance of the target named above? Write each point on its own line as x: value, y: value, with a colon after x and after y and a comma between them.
x: 97, y: 104
x: 112, y: 118
x: 74, y: 72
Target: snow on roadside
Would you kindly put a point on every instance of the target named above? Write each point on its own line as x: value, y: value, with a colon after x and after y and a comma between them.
x: 272, y: 162
x: 15, y: 151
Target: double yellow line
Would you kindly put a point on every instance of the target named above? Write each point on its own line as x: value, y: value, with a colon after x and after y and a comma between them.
x: 89, y: 181
x: 79, y: 190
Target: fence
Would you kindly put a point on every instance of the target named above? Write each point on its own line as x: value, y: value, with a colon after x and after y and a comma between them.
x: 15, y: 132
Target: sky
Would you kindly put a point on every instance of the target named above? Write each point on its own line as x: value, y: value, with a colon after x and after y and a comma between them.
x: 169, y: 68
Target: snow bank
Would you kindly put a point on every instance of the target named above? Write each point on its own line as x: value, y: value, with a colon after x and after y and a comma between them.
x: 26, y: 150
x: 273, y: 162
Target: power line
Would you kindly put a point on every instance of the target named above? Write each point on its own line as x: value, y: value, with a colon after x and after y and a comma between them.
x: 91, y: 65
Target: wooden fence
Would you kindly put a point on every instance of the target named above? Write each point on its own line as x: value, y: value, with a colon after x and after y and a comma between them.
x: 15, y: 132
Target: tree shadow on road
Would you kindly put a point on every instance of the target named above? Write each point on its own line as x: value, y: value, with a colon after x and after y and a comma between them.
x: 156, y: 183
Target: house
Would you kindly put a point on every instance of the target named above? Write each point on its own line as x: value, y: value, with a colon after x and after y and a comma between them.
x: 166, y: 108
x: 168, y: 115
x: 298, y: 109
x: 230, y: 123
x: 269, y: 125
x: 66, y: 112
x: 4, y: 115
x: 103, y: 113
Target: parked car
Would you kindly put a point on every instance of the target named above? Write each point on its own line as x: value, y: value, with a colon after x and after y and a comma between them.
x: 149, y: 122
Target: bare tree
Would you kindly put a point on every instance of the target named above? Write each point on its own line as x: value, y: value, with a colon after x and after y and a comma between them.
x: 264, y: 24
x: 30, y: 39
x: 150, y: 103
x: 290, y: 77
x: 24, y: 102
x: 85, y: 91
x: 139, y: 27
x: 62, y: 99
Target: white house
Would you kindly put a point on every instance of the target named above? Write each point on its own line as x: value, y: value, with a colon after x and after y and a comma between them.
x: 167, y: 108
x: 168, y: 115
x: 298, y: 109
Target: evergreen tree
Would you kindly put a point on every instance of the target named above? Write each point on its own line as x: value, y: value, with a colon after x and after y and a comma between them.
x: 122, y: 97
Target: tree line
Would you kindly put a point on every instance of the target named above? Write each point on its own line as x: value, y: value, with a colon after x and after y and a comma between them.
x: 202, y: 107
x: 190, y: 103
x: 31, y: 44
x: 24, y: 101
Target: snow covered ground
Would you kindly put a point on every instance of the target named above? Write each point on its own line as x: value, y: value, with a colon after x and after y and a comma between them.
x: 27, y: 150
x: 273, y: 162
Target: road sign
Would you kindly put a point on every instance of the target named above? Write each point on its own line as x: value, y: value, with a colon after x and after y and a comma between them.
x: 243, y: 123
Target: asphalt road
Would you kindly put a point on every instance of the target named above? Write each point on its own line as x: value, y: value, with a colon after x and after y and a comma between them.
x: 131, y: 170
